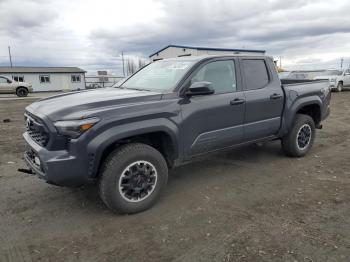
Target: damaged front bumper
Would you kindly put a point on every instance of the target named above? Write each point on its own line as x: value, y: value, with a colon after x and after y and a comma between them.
x: 55, y: 167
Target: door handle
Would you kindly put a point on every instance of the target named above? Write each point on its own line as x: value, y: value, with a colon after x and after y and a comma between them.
x: 237, y: 101
x: 275, y: 96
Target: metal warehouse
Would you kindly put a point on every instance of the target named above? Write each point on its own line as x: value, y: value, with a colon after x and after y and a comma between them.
x: 47, y: 78
x: 180, y: 50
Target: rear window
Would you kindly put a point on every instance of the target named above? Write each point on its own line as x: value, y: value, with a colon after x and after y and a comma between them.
x: 255, y: 74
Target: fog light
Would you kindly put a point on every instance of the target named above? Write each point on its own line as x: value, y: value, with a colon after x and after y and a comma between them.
x: 37, y: 161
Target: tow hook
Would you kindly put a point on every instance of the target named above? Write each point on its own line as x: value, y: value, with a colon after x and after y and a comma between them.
x: 26, y: 171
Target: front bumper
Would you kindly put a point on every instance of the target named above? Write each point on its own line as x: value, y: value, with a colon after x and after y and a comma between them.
x: 55, y: 167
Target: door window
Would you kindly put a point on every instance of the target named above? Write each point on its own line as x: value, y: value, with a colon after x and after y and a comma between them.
x: 220, y: 73
x: 255, y: 74
x: 18, y: 78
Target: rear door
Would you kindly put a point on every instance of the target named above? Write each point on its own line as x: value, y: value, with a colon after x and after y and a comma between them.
x: 215, y: 121
x: 264, y: 98
x: 5, y: 87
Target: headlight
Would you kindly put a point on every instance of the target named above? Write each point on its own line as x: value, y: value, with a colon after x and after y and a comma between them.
x: 74, y: 128
x: 333, y: 80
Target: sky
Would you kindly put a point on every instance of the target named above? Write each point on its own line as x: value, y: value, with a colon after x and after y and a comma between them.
x: 92, y: 34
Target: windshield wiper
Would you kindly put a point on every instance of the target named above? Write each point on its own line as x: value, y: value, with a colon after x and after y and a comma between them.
x: 138, y: 89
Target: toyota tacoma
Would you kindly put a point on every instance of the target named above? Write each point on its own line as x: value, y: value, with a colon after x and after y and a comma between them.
x: 126, y: 138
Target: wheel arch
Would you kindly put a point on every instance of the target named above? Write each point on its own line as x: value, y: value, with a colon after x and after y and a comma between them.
x: 163, y: 137
x: 308, y: 105
x: 312, y: 110
x: 18, y: 87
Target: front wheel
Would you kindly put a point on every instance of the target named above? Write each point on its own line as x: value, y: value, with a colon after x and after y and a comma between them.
x: 132, y: 178
x: 22, y: 92
x: 300, y: 138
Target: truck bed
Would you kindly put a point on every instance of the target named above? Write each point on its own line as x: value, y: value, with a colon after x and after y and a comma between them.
x: 305, y: 87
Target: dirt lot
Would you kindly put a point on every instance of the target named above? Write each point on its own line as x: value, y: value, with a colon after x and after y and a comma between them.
x: 248, y: 204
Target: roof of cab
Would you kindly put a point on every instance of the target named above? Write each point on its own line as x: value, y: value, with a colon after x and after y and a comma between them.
x: 203, y: 57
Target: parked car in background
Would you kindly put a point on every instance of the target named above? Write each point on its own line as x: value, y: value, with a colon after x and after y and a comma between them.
x: 284, y: 75
x: 295, y: 75
x: 9, y: 86
x: 338, y: 79
x: 300, y: 74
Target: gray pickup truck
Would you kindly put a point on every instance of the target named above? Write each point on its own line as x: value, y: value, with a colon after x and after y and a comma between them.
x: 126, y: 138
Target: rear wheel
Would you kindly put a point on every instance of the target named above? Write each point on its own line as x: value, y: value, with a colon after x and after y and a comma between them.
x: 132, y: 178
x: 339, y: 87
x: 22, y: 92
x: 300, y: 138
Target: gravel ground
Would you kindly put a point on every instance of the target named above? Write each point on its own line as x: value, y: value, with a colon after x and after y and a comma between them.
x: 247, y: 204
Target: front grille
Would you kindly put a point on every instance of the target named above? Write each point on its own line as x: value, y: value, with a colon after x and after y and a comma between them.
x: 37, y: 131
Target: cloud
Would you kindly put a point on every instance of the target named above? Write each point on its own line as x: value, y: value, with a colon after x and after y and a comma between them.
x: 92, y: 34
x: 18, y: 17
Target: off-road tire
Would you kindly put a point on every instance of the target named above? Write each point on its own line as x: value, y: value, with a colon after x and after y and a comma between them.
x: 21, y: 92
x: 290, y: 144
x: 113, y: 167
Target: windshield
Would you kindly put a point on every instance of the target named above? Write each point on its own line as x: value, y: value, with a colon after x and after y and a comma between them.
x: 332, y: 73
x: 119, y: 83
x: 159, y: 76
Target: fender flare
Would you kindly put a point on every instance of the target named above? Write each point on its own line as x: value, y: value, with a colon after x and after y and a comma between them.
x: 101, y: 142
x: 292, y: 109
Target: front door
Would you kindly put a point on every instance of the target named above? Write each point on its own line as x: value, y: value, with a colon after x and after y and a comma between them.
x: 5, y: 87
x: 212, y: 122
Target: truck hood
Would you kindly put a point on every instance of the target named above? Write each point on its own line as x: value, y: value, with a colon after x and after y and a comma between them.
x: 81, y: 104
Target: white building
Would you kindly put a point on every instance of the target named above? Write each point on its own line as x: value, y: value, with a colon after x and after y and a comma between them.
x: 180, y: 50
x: 47, y: 78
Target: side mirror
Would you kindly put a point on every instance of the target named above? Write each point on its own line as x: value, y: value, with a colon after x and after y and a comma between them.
x: 200, y: 88
x: 9, y: 81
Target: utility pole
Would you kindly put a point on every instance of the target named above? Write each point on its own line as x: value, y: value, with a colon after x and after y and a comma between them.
x: 123, y: 63
x: 341, y: 62
x: 281, y: 62
x: 10, y: 56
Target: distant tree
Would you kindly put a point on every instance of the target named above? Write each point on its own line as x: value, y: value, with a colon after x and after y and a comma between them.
x: 134, y: 64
